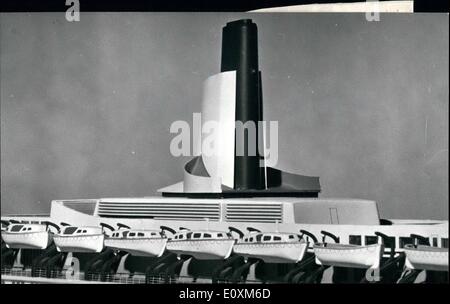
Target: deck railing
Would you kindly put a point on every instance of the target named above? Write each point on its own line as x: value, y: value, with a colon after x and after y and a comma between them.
x: 64, y: 276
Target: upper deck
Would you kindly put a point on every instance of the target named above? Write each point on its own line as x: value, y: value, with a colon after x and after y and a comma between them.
x: 252, y: 210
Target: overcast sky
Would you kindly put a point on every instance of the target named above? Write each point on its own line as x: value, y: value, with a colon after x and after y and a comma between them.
x: 86, y: 106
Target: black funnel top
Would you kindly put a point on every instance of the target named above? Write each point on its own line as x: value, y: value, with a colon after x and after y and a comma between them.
x: 240, y: 54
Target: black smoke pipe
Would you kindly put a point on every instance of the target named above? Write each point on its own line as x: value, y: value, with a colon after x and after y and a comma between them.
x: 240, y: 54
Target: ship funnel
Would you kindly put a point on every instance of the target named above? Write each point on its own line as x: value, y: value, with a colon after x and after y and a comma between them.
x: 240, y: 54
x: 232, y: 100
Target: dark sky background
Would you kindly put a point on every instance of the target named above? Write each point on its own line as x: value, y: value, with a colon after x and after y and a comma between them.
x: 86, y: 106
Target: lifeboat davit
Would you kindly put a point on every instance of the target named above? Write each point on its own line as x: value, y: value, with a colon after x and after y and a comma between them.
x: 272, y: 247
x: 202, y: 244
x: 150, y: 243
x: 80, y: 239
x: 426, y: 257
x: 27, y: 236
x: 4, y: 225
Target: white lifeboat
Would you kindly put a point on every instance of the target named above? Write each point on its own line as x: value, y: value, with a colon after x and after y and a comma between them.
x: 27, y: 236
x: 347, y: 255
x: 150, y: 243
x: 343, y: 255
x: 202, y: 244
x: 80, y: 239
x: 426, y: 257
x: 272, y: 247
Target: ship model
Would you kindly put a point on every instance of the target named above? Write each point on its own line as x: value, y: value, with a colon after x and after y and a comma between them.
x: 232, y: 218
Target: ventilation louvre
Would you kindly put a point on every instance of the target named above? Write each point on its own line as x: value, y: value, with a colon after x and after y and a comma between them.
x: 160, y: 210
x: 259, y: 213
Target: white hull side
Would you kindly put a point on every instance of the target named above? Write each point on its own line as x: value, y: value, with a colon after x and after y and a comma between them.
x: 203, y: 249
x: 82, y: 243
x: 272, y: 253
x: 154, y: 247
x: 349, y: 256
x: 27, y: 240
x: 426, y: 259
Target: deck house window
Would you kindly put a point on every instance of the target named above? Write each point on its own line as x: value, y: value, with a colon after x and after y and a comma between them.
x: 405, y: 241
x: 435, y: 242
x: 140, y: 234
x: 371, y: 239
x: 258, y: 238
x: 70, y: 230
x: 132, y: 234
x: 266, y: 238
x: 219, y: 235
x: 206, y: 235
x: 197, y: 235
x: 277, y: 238
x: 16, y: 228
x: 354, y: 239
x: 444, y: 242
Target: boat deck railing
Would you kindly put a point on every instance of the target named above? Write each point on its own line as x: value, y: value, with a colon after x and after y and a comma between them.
x: 19, y: 275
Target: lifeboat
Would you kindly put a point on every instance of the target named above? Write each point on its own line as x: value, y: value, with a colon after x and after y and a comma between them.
x: 426, y: 257
x: 346, y: 255
x: 272, y: 247
x: 27, y: 236
x: 79, y: 239
x: 149, y: 243
x: 202, y: 244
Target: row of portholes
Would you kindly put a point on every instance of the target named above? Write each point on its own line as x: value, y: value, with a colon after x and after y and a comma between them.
x: 79, y: 238
x: 272, y: 245
x: 212, y: 242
